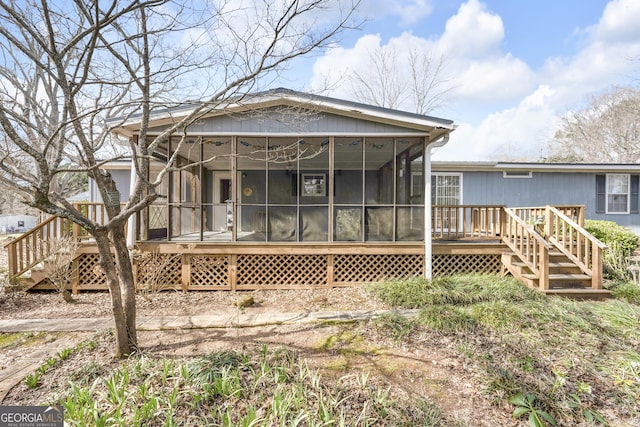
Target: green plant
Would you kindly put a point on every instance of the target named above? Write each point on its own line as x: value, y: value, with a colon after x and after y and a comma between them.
x: 65, y: 353
x: 621, y: 243
x: 625, y: 290
x: 527, y: 405
x: 446, y: 319
x: 591, y: 415
x: 32, y: 380
x: 395, y: 326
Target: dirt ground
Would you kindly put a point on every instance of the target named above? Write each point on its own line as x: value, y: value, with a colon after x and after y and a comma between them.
x: 428, y: 366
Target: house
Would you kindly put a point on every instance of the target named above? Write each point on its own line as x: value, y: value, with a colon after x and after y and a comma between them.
x: 17, y: 223
x: 607, y: 191
x: 292, y: 190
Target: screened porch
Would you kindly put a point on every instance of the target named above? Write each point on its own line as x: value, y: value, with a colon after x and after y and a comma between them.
x: 291, y: 189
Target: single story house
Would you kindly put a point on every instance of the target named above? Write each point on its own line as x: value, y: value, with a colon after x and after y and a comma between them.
x: 284, y: 189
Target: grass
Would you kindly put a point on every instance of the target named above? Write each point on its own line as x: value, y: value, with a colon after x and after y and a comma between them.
x: 231, y: 388
x: 578, y: 362
x: 539, y: 358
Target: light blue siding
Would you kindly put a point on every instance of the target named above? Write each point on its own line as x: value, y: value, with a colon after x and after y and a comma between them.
x: 543, y: 188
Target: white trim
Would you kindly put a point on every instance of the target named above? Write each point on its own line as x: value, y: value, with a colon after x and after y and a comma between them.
x: 607, y: 194
x: 458, y: 174
x: 517, y: 174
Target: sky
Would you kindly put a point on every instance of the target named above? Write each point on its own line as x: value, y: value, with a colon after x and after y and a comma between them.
x: 514, y: 68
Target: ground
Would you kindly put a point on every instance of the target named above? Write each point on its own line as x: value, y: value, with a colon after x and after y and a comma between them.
x: 428, y: 366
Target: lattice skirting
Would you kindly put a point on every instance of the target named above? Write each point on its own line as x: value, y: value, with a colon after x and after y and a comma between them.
x: 281, y: 271
x: 286, y: 271
x: 350, y: 269
x: 444, y: 265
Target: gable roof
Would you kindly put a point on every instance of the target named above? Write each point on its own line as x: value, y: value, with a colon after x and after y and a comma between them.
x: 288, y: 97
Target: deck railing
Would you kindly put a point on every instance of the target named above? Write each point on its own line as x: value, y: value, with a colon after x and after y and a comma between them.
x: 537, y: 215
x: 523, y: 230
x: 525, y: 242
x: 450, y: 222
x: 576, y: 243
x: 32, y: 247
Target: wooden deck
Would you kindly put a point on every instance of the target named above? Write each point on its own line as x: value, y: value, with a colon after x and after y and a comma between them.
x: 546, y: 248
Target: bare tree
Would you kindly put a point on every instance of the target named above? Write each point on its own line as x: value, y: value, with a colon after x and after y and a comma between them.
x: 67, y: 69
x: 416, y: 82
x: 606, y: 130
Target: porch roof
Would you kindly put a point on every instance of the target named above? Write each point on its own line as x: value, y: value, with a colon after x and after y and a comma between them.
x: 165, y: 117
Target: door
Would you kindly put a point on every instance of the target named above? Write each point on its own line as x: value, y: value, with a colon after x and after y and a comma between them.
x: 222, y: 202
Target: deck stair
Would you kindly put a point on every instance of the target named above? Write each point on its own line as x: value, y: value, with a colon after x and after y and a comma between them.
x: 565, y: 278
x: 556, y: 255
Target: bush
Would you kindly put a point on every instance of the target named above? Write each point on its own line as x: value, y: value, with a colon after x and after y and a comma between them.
x: 621, y: 241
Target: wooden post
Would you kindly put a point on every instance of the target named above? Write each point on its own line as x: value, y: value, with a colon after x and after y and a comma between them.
x: 75, y: 276
x: 548, y: 222
x: 503, y: 223
x: 233, y: 271
x: 185, y: 279
x: 330, y: 260
x: 544, y: 268
x: 12, y: 259
x: 596, y: 267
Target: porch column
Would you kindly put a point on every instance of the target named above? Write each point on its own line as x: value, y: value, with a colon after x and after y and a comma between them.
x: 131, y: 222
x: 428, y: 232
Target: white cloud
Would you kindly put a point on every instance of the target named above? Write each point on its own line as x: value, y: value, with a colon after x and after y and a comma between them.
x: 619, y: 22
x: 409, y: 11
x: 470, y: 46
x: 504, y: 77
x: 472, y: 32
x: 519, y: 133
x: 412, y: 11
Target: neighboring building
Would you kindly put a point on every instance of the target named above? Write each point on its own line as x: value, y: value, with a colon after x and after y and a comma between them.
x: 17, y: 223
x: 608, y: 191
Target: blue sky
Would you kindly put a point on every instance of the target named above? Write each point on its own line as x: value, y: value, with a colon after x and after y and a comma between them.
x: 517, y: 66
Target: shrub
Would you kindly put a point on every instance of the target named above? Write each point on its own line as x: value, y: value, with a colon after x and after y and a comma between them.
x: 621, y: 241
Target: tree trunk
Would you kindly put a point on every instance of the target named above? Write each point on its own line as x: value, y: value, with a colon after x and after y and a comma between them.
x: 127, y: 283
x: 120, y: 291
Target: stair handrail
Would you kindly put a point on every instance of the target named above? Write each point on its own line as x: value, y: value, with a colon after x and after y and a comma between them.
x: 528, y: 245
x: 32, y: 247
x: 582, y: 248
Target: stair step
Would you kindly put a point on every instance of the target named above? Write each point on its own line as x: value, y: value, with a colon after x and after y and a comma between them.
x: 558, y: 265
x: 582, y: 294
x: 559, y: 276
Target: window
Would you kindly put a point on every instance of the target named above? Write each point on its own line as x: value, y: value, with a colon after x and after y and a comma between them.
x: 617, y: 193
x: 313, y: 185
x: 446, y: 189
x: 517, y: 174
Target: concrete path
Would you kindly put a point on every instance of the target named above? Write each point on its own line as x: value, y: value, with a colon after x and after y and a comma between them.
x: 77, y: 328
x: 158, y: 323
